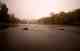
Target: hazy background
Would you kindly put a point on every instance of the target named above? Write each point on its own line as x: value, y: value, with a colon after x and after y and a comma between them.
x: 35, y: 9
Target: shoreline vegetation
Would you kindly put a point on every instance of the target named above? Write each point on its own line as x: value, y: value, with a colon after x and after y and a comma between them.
x: 62, y: 18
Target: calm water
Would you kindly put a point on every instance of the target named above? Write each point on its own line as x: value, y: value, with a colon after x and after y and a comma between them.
x: 41, y: 38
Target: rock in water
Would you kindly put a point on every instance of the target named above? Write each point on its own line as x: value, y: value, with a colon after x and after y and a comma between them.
x: 25, y: 28
x: 61, y: 29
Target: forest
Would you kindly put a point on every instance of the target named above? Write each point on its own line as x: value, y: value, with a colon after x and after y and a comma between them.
x: 69, y: 18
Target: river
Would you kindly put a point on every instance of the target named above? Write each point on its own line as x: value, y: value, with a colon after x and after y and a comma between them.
x: 41, y: 38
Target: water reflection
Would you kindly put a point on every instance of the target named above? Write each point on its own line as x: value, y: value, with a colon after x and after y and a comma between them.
x: 3, y: 39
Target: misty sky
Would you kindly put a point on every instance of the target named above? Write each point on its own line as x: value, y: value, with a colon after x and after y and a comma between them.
x: 28, y: 8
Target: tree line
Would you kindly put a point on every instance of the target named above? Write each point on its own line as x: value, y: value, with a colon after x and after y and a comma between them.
x: 69, y: 18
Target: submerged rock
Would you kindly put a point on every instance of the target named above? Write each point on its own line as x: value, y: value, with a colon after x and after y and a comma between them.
x: 61, y: 29
x: 25, y: 28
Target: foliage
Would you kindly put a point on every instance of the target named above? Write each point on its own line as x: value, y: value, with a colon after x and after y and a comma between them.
x: 63, y: 18
x: 73, y: 17
x: 5, y: 17
x: 54, y: 19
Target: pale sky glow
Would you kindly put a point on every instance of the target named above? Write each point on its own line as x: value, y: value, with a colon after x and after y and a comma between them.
x: 33, y: 8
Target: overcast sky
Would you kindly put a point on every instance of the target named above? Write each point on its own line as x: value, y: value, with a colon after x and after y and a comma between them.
x: 28, y: 8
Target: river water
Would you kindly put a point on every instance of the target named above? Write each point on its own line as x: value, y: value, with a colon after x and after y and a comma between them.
x: 41, y: 38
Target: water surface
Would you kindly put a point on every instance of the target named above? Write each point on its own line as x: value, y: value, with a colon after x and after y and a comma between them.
x: 41, y: 38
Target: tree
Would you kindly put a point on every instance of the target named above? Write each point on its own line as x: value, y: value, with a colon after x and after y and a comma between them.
x: 4, y: 17
x: 7, y: 18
